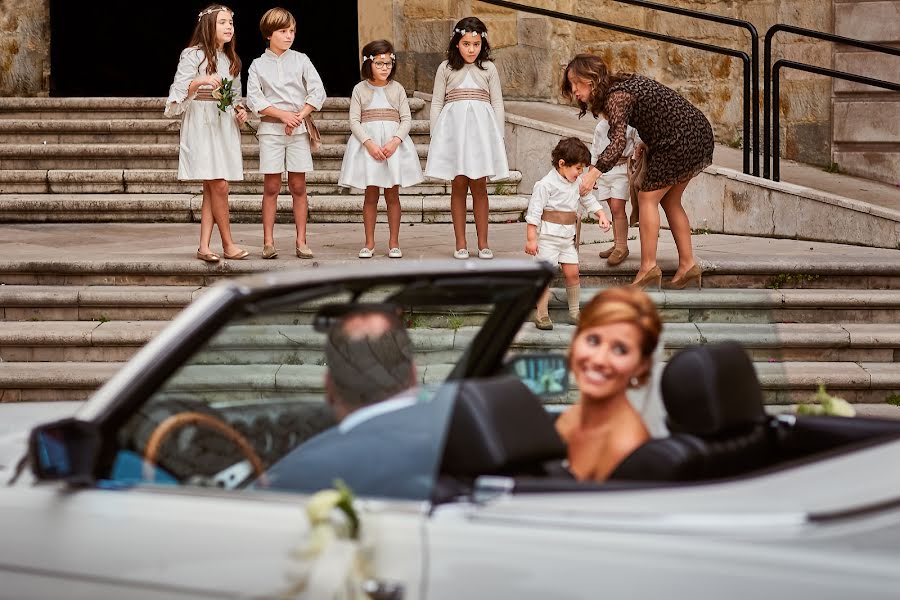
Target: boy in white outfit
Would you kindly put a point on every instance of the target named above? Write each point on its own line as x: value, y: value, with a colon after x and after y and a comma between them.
x: 613, y: 187
x: 554, y: 209
x: 284, y: 88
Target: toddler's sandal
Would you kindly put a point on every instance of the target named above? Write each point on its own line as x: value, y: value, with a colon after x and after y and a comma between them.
x: 461, y: 254
x: 395, y: 253
x: 366, y: 253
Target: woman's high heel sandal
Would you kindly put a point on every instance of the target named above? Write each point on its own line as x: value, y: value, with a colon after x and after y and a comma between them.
x: 694, y: 274
x: 652, y: 276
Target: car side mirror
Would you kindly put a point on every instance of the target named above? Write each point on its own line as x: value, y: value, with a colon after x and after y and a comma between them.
x: 64, y: 450
x: 546, y: 375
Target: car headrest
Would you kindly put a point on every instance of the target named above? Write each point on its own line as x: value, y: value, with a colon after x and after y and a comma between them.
x: 498, y: 427
x: 712, y: 390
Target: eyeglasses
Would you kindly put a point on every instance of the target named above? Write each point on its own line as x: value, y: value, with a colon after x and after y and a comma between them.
x: 383, y: 65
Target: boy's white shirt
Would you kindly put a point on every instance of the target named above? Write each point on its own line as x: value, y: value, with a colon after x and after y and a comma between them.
x: 555, y: 192
x: 287, y: 82
x: 601, y: 140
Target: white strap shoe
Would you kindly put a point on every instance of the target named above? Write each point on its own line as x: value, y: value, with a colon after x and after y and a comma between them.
x: 366, y: 253
x: 461, y: 254
x: 486, y: 254
x: 395, y: 253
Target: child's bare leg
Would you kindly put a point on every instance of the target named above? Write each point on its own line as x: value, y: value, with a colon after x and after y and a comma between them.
x: 458, y: 191
x: 480, y: 209
x: 297, y: 187
x: 620, y: 222
x: 370, y: 214
x: 206, y: 220
x: 219, y: 193
x: 271, y: 188
x: 392, y: 198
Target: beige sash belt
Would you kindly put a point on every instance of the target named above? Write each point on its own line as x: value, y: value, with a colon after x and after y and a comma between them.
x: 380, y: 114
x: 560, y: 217
x: 467, y: 94
x: 205, y: 95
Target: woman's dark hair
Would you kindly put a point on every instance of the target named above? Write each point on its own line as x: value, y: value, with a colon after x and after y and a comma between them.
x: 204, y: 37
x: 593, y: 69
x: 571, y: 151
x: 374, y: 49
x: 469, y: 24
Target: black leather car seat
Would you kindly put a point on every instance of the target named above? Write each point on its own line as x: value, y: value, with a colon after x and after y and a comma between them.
x: 498, y: 427
x: 716, y: 418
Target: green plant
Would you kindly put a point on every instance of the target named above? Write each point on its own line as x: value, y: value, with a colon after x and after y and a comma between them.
x: 415, y: 322
x: 833, y: 168
x: 103, y: 318
x: 736, y: 143
x: 454, y: 321
x: 824, y: 403
x: 701, y: 231
x: 893, y: 399
x: 502, y: 189
x: 776, y: 282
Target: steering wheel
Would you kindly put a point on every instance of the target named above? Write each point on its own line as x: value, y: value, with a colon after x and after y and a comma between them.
x: 182, y: 419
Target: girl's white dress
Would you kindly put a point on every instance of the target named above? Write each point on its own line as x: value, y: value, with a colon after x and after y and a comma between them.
x: 466, y: 140
x: 210, y: 142
x: 360, y: 170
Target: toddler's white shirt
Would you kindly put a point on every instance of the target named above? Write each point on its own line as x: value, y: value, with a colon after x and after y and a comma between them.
x: 555, y: 192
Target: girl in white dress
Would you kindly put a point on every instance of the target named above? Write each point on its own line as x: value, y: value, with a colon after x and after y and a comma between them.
x: 210, y: 148
x: 467, y: 129
x: 380, y: 153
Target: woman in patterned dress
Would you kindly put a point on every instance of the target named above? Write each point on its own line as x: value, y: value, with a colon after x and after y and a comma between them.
x: 679, y: 145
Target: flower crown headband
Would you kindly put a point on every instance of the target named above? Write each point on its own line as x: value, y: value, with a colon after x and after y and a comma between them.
x: 463, y: 32
x: 372, y: 56
x: 210, y: 11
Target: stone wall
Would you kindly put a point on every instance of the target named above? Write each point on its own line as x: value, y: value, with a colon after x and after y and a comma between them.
x: 24, y: 48
x: 530, y: 52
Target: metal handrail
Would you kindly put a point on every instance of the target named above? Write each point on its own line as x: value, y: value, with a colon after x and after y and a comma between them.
x: 776, y: 92
x: 772, y: 147
x: 745, y: 58
x: 754, y: 56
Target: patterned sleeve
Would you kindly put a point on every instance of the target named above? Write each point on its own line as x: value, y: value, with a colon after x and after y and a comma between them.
x: 539, y: 196
x: 188, y: 64
x: 359, y: 132
x: 405, y: 114
x: 497, y: 98
x: 315, y: 89
x: 438, y: 93
x: 619, y: 105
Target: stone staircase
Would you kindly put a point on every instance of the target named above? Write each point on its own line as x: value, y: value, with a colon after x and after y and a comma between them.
x: 68, y: 323
x: 115, y: 159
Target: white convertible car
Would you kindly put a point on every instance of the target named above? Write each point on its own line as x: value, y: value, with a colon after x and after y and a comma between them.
x: 177, y: 478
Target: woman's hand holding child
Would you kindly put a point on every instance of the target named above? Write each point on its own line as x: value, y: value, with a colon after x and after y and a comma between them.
x: 588, y: 180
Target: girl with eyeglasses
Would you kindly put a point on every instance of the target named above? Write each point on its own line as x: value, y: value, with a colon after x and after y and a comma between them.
x: 380, y: 153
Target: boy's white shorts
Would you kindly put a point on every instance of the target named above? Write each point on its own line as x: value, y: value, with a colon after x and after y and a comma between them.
x: 613, y: 184
x: 555, y: 249
x: 285, y: 153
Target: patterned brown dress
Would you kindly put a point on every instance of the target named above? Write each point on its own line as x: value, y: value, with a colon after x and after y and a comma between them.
x: 678, y: 136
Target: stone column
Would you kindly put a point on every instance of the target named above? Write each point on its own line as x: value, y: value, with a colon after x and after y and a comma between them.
x: 867, y: 119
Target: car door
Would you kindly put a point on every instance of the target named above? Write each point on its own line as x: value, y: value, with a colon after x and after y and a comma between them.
x: 186, y: 512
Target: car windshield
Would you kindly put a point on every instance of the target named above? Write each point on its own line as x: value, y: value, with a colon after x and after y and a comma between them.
x: 351, y: 382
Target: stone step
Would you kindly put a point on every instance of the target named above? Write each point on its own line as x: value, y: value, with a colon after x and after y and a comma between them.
x: 280, y: 343
x: 185, y: 208
x: 782, y: 383
x: 165, y: 181
x: 142, y: 156
x: 761, y: 305
x: 146, y: 131
x: 135, y: 108
x: 720, y: 306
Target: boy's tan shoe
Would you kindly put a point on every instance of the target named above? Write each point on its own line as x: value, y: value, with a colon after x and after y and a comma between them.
x: 617, y: 256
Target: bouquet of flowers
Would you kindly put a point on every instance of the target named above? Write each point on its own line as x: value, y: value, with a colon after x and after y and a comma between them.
x: 226, y: 100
